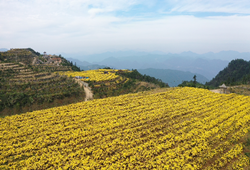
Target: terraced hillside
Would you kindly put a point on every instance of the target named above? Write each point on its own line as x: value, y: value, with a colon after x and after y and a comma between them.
x: 181, y: 128
x: 28, y: 56
x: 110, y: 82
x: 25, y: 56
x: 26, y: 88
x: 50, y: 68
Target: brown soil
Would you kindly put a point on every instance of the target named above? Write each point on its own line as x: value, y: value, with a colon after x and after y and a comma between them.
x: 216, y: 90
x: 88, y: 92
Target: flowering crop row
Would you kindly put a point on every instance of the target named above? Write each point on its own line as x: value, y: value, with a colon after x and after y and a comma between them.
x: 94, y: 75
x: 184, y: 128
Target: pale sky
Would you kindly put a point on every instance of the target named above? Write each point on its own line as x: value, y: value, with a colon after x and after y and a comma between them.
x: 95, y: 26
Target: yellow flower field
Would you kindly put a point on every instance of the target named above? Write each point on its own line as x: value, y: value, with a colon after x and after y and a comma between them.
x: 94, y: 75
x: 184, y: 128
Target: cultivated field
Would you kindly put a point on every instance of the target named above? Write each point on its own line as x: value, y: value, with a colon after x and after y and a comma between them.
x: 182, y: 128
x: 94, y: 75
x: 106, y: 82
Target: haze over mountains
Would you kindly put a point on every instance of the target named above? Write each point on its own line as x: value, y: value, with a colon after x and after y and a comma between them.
x: 208, y: 64
x: 171, y: 68
x: 172, y: 77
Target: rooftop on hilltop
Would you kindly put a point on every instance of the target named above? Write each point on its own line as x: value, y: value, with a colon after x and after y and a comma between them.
x: 223, y: 86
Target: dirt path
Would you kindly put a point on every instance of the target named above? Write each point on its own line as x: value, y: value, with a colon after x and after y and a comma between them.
x: 221, y: 91
x: 216, y: 91
x: 88, y: 92
x: 34, y: 61
x: 22, y: 63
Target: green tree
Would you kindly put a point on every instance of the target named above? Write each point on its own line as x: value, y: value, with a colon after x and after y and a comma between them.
x: 1, y: 57
x: 194, y: 80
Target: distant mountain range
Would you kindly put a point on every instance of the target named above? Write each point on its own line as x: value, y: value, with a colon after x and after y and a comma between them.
x: 3, y: 49
x: 84, y: 65
x: 172, y: 77
x: 208, y: 64
x: 223, y: 55
x: 171, y: 68
x: 206, y: 67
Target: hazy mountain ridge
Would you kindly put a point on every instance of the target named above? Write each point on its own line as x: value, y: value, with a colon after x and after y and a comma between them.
x: 208, y: 68
x: 222, y: 55
x: 227, y: 55
x: 172, y: 77
x: 78, y: 62
x: 207, y: 64
x: 84, y: 65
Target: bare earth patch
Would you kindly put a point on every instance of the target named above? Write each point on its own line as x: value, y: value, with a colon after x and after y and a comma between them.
x: 216, y: 91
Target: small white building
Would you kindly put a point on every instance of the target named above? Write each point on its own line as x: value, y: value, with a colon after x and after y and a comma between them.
x: 223, y: 88
x: 45, y: 55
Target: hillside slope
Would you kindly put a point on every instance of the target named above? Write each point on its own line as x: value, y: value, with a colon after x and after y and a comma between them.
x: 183, y: 128
x: 242, y: 89
x: 24, y: 88
x: 109, y: 82
x: 25, y: 56
x: 29, y: 81
x: 30, y: 57
x: 237, y: 71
